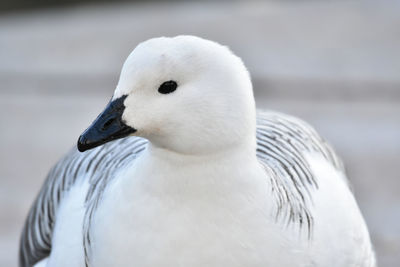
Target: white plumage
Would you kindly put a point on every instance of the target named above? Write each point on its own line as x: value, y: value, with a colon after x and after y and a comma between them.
x: 211, y: 187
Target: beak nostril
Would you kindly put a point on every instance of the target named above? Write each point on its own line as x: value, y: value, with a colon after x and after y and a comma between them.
x: 107, y: 124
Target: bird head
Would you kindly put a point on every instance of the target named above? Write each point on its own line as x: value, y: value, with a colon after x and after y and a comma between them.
x: 185, y: 94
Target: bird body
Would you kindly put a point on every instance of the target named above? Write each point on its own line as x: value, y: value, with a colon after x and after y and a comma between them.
x: 211, y: 187
x: 199, y: 218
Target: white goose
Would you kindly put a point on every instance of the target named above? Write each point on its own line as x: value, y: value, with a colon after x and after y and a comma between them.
x: 199, y: 182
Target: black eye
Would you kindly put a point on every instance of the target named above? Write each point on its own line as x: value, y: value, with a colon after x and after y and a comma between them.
x: 167, y: 87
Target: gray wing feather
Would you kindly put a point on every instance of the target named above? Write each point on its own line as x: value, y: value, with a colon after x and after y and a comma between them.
x: 97, y: 165
x: 37, y: 232
x: 281, y: 143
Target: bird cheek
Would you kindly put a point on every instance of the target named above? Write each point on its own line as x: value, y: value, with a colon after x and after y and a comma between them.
x: 128, y: 118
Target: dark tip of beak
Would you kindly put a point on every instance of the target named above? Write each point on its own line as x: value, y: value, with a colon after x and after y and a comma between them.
x: 108, y: 126
x: 85, y: 144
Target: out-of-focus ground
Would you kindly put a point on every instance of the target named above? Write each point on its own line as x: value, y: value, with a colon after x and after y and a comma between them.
x: 335, y: 64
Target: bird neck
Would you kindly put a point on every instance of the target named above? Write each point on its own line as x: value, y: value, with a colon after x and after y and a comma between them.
x: 170, y: 175
x: 240, y: 152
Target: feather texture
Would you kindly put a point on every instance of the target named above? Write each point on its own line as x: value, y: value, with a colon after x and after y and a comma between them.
x: 281, y: 143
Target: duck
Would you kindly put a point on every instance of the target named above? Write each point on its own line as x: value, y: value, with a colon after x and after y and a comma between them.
x: 181, y: 169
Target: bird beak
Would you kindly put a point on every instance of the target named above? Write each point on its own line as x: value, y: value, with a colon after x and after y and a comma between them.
x: 108, y: 126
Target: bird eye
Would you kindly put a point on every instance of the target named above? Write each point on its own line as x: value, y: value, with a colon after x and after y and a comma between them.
x: 167, y: 87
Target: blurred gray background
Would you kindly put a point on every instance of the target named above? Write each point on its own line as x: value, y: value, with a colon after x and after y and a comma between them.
x: 335, y: 64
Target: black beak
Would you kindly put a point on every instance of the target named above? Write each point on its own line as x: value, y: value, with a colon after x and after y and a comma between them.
x: 108, y: 126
